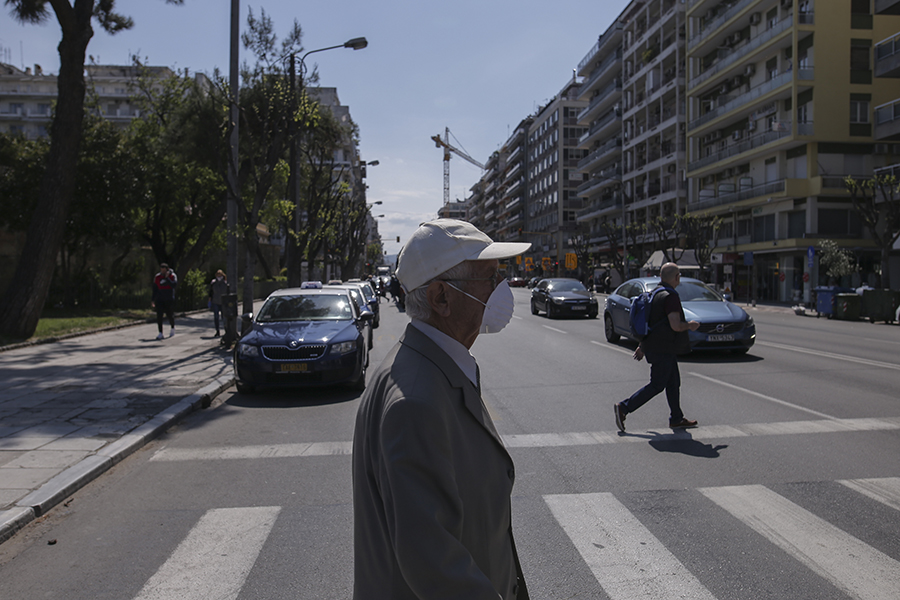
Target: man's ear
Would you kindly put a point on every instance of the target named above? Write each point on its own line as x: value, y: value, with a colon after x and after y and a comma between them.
x: 437, y: 298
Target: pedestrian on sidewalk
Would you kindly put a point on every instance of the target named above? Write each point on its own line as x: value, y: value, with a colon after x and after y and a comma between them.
x: 164, y: 298
x: 667, y: 339
x: 218, y: 287
x: 432, y: 479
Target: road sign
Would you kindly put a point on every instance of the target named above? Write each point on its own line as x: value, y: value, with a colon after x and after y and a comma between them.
x: 571, y: 260
x: 748, y: 258
x: 810, y: 255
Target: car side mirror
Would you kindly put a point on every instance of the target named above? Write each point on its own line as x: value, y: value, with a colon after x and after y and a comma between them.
x: 366, y: 315
x: 727, y: 297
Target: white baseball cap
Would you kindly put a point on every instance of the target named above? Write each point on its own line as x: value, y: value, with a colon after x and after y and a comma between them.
x: 439, y: 245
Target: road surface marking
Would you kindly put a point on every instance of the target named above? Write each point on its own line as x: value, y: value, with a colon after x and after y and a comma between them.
x: 861, y: 571
x: 706, y: 433
x: 215, y: 558
x: 886, y: 490
x: 627, y: 560
x: 554, y: 329
x: 853, y: 359
x: 764, y: 397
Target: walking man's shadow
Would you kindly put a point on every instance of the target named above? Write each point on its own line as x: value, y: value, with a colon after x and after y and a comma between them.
x: 682, y: 443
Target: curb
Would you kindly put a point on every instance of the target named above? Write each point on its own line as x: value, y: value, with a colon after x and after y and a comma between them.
x: 40, y: 501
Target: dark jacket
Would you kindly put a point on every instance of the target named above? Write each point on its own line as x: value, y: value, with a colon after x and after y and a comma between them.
x: 662, y: 339
x: 164, y: 287
x: 431, y: 485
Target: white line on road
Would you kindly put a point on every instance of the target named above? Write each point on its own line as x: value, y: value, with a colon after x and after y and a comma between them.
x: 554, y: 329
x: 885, y: 490
x: 215, y: 558
x: 853, y: 359
x: 764, y: 397
x: 627, y: 560
x: 707, y: 433
x: 849, y: 564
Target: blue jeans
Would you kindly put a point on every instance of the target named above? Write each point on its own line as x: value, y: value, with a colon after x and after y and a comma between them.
x: 664, y: 375
x: 216, y: 308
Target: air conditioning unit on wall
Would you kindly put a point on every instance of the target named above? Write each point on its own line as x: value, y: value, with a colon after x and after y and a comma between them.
x: 756, y: 18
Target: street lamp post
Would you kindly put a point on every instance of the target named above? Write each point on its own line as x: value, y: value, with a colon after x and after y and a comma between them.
x: 294, y: 256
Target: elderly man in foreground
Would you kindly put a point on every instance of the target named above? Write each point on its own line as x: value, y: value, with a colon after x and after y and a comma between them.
x: 431, y: 477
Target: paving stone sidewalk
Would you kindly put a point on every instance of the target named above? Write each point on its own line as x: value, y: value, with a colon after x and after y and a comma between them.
x: 71, y: 409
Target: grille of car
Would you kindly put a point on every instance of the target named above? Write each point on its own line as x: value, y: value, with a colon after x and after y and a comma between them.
x: 310, y: 352
x: 726, y: 327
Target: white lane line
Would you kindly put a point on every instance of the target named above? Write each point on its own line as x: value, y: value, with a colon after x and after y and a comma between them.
x: 706, y: 433
x: 858, y: 569
x: 215, y: 558
x: 554, y: 329
x: 611, y: 347
x: 627, y: 560
x: 251, y: 452
x: 853, y: 359
x: 885, y: 490
x: 764, y: 397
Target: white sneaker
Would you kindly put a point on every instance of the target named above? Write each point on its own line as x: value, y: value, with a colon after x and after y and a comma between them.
x: 171, y: 333
x: 160, y: 336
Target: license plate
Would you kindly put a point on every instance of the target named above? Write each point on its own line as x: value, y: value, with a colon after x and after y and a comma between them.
x: 722, y: 337
x: 293, y: 367
x: 579, y: 308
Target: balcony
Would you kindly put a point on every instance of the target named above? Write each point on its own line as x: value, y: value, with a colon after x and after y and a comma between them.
x: 605, y: 68
x: 592, y: 159
x: 717, y: 21
x: 612, y: 121
x: 782, y: 131
x: 599, y: 208
x: 614, y: 31
x: 607, y: 95
x: 741, y: 101
x: 729, y: 56
x: 774, y: 188
x: 887, y: 121
x: 887, y: 57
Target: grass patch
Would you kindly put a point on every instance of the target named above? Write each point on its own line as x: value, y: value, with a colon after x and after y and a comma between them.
x: 55, y: 322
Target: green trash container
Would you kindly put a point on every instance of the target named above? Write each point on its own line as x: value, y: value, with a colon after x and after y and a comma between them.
x: 846, y: 307
x: 879, y: 305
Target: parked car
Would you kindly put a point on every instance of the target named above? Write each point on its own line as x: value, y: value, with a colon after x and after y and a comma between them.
x: 558, y: 297
x: 362, y: 302
x: 517, y: 282
x: 371, y: 299
x: 304, y: 337
x: 723, y: 325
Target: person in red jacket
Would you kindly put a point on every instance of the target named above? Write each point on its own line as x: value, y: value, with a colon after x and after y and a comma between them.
x: 164, y: 298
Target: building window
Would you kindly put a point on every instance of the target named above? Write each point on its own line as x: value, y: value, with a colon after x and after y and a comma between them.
x: 764, y: 228
x: 797, y: 224
x: 859, y: 111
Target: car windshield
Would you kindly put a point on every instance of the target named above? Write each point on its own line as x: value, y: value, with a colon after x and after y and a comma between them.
x: 566, y: 286
x: 696, y: 292
x: 306, y: 308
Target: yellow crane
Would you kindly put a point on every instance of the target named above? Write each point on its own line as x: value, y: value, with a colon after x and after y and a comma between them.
x: 445, y: 144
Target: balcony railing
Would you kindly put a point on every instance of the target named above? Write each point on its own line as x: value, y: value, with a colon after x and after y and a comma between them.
x: 766, y: 189
x: 718, y: 21
x: 600, y: 70
x: 735, y: 102
x: 888, y: 47
x: 605, y: 148
x: 603, y: 94
x: 784, y: 130
x: 729, y: 56
x: 887, y: 112
x: 614, y: 28
x: 611, y: 116
x: 598, y: 207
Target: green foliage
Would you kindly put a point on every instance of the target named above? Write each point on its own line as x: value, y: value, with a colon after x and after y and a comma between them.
x: 195, y: 284
x: 837, y: 261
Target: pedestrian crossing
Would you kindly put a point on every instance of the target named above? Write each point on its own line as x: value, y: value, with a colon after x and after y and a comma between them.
x: 619, y: 546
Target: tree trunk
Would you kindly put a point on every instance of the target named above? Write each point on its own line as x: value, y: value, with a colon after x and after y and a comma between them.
x: 886, y: 267
x: 249, y: 270
x: 193, y: 256
x: 21, y: 306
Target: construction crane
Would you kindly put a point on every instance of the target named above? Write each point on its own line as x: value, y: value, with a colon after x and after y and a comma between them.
x: 445, y: 144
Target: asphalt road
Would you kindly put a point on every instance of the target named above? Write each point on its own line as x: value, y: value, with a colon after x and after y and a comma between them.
x: 790, y: 487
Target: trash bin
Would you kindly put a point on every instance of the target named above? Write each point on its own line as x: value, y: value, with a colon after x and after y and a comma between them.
x: 824, y: 296
x: 880, y: 305
x: 846, y: 306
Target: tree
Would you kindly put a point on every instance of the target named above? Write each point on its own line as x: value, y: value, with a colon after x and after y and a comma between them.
x: 837, y: 261
x: 666, y: 230
x: 701, y: 232
x: 22, y: 303
x: 613, y: 233
x: 877, y: 202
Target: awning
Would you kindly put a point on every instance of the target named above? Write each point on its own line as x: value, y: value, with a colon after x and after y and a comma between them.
x: 686, y: 260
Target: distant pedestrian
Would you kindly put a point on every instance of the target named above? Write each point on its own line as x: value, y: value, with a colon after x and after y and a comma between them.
x: 667, y: 339
x: 164, y: 298
x: 218, y: 287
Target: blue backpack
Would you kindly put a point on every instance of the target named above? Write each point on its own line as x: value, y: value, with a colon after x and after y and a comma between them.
x: 639, y: 318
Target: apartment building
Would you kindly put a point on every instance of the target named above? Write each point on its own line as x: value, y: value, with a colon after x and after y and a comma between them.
x: 780, y: 98
x: 27, y: 97
x: 601, y: 140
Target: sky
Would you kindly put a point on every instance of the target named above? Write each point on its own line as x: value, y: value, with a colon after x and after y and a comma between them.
x: 476, y: 66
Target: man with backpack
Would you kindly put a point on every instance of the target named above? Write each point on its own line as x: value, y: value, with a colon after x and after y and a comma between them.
x: 666, y: 337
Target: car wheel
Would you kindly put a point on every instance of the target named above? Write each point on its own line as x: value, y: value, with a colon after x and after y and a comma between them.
x: 551, y: 313
x: 592, y: 315
x: 243, y: 388
x: 611, y: 336
x: 359, y: 384
x: 534, y: 308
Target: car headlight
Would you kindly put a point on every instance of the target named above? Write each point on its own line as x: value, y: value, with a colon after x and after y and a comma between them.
x: 593, y: 300
x: 557, y: 301
x: 748, y: 322
x: 246, y: 350
x: 344, y: 347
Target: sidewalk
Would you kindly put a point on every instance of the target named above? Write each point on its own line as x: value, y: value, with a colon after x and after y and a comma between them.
x: 70, y: 410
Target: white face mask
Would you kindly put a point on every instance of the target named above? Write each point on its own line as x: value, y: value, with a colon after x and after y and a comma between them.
x: 498, y: 310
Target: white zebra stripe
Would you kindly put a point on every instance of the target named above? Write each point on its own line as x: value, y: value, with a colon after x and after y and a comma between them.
x: 627, y: 560
x: 215, y: 558
x: 885, y: 490
x: 859, y: 570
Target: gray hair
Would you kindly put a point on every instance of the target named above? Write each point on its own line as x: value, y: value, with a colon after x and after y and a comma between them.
x: 417, y: 306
